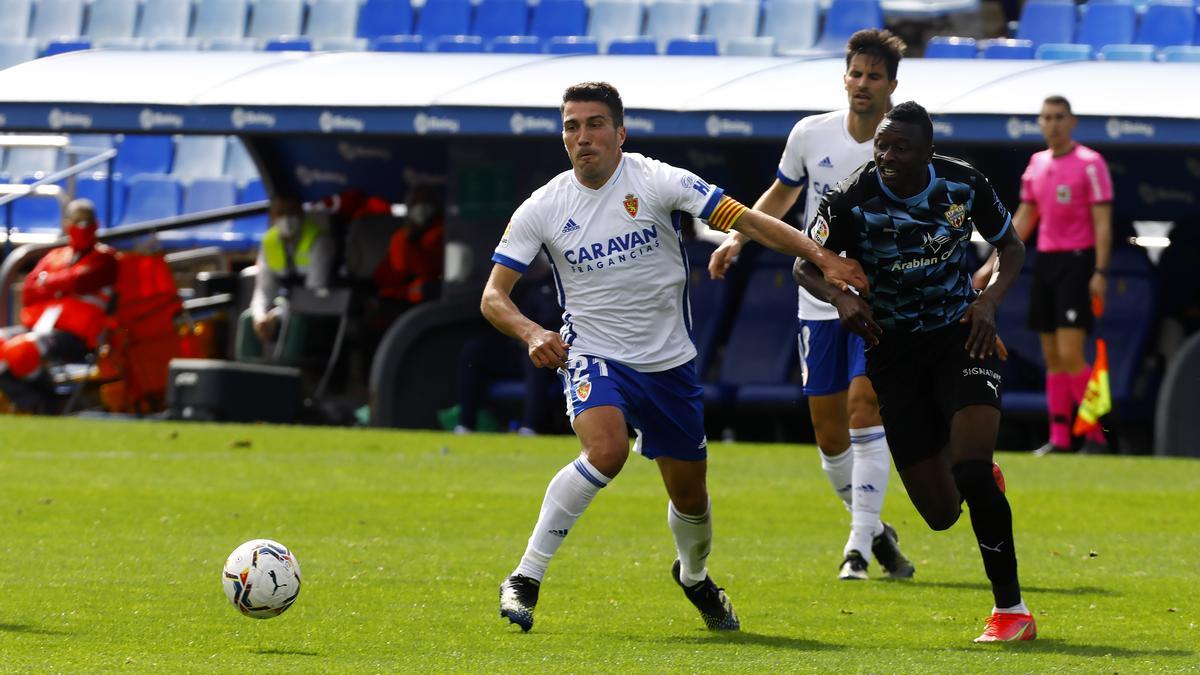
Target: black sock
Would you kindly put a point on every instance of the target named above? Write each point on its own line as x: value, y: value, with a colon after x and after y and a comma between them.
x: 991, y: 519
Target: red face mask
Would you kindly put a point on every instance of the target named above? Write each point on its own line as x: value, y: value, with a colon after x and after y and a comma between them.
x: 82, y: 237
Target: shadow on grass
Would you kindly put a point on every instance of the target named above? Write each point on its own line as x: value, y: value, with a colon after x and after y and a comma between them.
x: 26, y: 628
x: 984, y: 586
x: 286, y: 652
x: 748, y: 638
x: 1057, y: 646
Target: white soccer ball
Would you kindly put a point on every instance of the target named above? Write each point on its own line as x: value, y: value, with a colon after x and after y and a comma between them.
x: 261, y: 578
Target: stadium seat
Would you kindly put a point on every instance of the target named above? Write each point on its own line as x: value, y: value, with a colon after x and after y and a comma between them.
x: 28, y: 161
x: 947, y: 47
x: 288, y: 43
x: 36, y: 213
x: 668, y: 19
x: 229, y: 44
x: 494, y: 18
x: 1047, y: 21
x: 1166, y: 23
x: 219, y: 19
x: 65, y: 45
x: 377, y: 18
x: 1110, y: 22
x: 751, y: 46
x: 793, y: 23
x: 515, y: 44
x: 1024, y: 373
x: 13, y: 52
x: 1008, y: 49
x: 252, y: 227
x: 143, y: 154
x: 172, y: 45
x: 275, y: 18
x: 708, y: 305
x: 555, y: 18
x: 165, y: 19
x: 53, y: 19
x: 1127, y: 53
x: 633, y: 46
x: 398, y: 43
x: 1063, y: 52
x: 238, y: 163
x: 14, y: 19
x: 96, y: 187
x: 111, y: 19
x: 458, y: 44
x: 340, y: 44
x: 1181, y: 54
x: 150, y: 197
x: 205, y: 194
x: 444, y: 17
x: 693, y: 45
x: 844, y: 18
x: 199, y: 157
x: 572, y: 44
x: 613, y: 19
x: 729, y: 19
x: 331, y: 19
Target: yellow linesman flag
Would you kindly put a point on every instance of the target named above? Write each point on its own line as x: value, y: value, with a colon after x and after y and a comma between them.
x: 1097, y: 398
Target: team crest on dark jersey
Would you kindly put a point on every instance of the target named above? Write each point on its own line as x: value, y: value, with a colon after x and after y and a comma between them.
x: 631, y: 205
x: 955, y: 215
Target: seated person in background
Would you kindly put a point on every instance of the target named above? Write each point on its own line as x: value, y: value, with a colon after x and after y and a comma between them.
x: 65, y: 304
x: 296, y: 251
x: 412, y: 271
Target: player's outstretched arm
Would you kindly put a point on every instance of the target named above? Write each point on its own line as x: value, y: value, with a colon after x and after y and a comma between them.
x: 981, y: 314
x: 776, y: 201
x: 853, y: 311
x: 778, y: 235
x: 547, y: 349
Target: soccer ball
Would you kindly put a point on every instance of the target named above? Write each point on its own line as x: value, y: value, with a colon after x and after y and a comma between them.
x: 261, y: 578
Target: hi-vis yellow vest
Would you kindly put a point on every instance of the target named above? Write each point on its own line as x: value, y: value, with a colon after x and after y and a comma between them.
x: 273, y: 249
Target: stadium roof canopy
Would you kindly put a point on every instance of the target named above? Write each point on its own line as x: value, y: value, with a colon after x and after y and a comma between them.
x: 368, y: 93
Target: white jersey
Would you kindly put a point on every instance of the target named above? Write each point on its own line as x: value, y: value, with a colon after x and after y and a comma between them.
x: 618, y: 259
x: 821, y: 152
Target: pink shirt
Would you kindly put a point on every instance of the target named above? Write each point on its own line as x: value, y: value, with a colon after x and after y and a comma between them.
x: 1064, y: 190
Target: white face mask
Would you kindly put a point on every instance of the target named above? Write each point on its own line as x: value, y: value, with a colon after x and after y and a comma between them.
x: 288, y: 226
x: 421, y: 214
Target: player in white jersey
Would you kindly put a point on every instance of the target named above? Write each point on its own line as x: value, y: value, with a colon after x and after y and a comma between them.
x: 610, y: 227
x: 822, y: 150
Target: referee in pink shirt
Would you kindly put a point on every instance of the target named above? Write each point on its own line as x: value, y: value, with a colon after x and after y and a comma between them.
x: 1067, y: 188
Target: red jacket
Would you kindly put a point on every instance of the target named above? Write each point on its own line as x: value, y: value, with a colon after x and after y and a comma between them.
x: 82, y: 288
x: 413, y: 265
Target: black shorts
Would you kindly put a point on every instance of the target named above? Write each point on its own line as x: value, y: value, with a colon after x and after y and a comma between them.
x: 1060, y: 297
x: 922, y: 379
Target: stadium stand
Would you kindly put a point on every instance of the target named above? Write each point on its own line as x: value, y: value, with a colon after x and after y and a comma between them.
x: 378, y: 18
x: 1127, y: 53
x: 288, y: 43
x: 669, y: 19
x: 398, y: 43
x: 844, y: 18
x: 340, y: 44
x: 572, y: 44
x: 31, y: 161
x: 515, y: 44
x: 443, y: 17
x: 1166, y: 23
x: 96, y: 187
x: 750, y: 46
x: 615, y: 19
x: 150, y: 197
x: 495, y: 18
x: 14, y: 51
x: 1045, y: 21
x: 633, y: 46
x: 64, y: 45
x: 794, y: 24
x: 54, y: 19
x: 36, y: 212
x: 729, y: 19
x: 693, y: 45
x: 143, y: 153
x: 1007, y: 49
x: 1107, y: 23
x: 331, y: 19
x: 204, y: 194
x: 219, y: 20
x: 14, y: 18
x: 1063, y: 52
x: 948, y: 47
x: 251, y: 228
x: 1181, y: 54
x: 199, y: 157
x: 458, y: 44
x: 710, y: 304
x: 238, y: 163
x: 556, y: 18
x: 275, y: 18
x: 108, y: 19
x: 165, y: 20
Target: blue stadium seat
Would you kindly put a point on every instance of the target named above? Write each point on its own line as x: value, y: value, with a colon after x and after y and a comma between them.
x: 515, y: 44
x: 220, y: 19
x: 229, y: 44
x: 1047, y: 21
x: 36, y: 213
x: 288, y: 43
x: 1181, y: 54
x: 1063, y: 52
x: 95, y: 186
x: 111, y: 19
x: 27, y: 161
x: 253, y: 227
x: 1127, y: 53
x: 1008, y: 49
x: 205, y: 194
x: 793, y: 23
x: 667, y: 19
x: 1024, y: 372
x: 165, y: 19
x: 1107, y: 22
x: 751, y: 46
x: 331, y: 19
x: 554, y: 18
x: 693, y: 45
x: 494, y: 18
x: 948, y: 47
x: 469, y: 44
x: 444, y: 17
x: 143, y: 154
x: 729, y: 19
x: 633, y: 46
x: 65, y: 45
x: 16, y: 51
x: 708, y: 305
x: 238, y: 163
x: 150, y: 197
x: 1166, y: 23
x: 613, y: 19
x: 572, y: 44
x: 53, y: 19
x: 340, y: 44
x: 274, y: 18
x: 846, y: 17
x: 199, y: 157
x: 377, y: 18
x: 1127, y: 328
x: 14, y: 19
x: 398, y: 43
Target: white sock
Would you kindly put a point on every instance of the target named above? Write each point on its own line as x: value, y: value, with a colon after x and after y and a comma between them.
x: 693, y: 541
x: 872, y: 468
x: 567, y: 496
x: 840, y: 469
x: 1018, y: 608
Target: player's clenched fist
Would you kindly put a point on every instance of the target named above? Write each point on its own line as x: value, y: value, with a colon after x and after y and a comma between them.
x: 548, y: 350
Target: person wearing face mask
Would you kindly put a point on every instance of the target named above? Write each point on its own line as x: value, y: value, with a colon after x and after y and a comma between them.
x: 412, y: 272
x: 65, y: 305
x: 296, y: 251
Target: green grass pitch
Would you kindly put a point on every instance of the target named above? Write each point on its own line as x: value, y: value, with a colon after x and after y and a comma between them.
x: 114, y: 534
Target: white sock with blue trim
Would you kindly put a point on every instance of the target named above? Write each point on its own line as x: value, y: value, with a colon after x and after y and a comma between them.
x: 872, y: 469
x: 693, y: 542
x: 567, y: 496
x: 839, y: 470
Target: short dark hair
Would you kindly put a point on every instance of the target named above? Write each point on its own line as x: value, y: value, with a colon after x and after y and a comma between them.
x: 601, y: 92
x: 879, y: 44
x: 911, y: 112
x: 1059, y: 100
